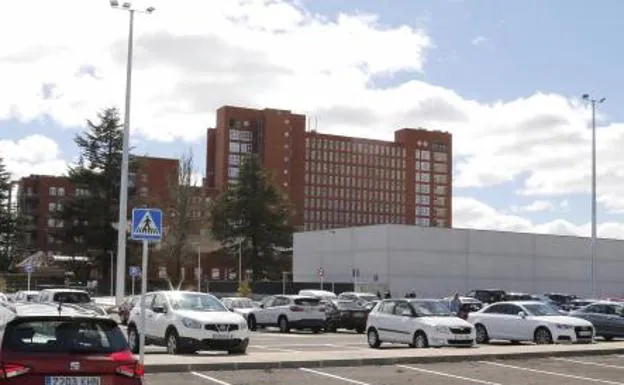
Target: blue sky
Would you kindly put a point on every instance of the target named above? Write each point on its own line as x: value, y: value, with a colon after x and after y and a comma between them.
x: 485, y: 59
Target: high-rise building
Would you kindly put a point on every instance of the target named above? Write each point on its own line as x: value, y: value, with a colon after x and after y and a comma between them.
x: 337, y: 181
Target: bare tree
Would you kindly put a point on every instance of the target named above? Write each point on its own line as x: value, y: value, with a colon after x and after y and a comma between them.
x: 184, y: 204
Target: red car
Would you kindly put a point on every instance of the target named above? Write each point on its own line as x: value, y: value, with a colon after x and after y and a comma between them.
x: 52, y: 344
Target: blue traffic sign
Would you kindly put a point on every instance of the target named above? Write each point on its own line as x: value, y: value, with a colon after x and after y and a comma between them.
x: 29, y: 268
x: 134, y: 271
x: 146, y: 224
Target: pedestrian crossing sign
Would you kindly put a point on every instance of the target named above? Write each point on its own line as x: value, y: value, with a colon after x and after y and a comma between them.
x: 146, y: 224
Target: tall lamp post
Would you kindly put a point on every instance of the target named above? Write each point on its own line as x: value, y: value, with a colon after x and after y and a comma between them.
x: 594, y: 231
x: 123, y: 190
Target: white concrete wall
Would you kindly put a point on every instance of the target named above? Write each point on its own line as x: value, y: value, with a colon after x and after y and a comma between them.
x: 436, y: 262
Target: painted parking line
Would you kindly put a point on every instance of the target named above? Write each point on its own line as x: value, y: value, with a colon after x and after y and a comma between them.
x: 583, y: 362
x: 547, y: 372
x: 335, y: 377
x: 448, y: 375
x: 274, y: 349
x: 212, y: 379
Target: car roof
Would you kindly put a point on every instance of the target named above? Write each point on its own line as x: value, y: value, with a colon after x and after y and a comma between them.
x: 65, y: 291
x: 51, y: 310
x: 522, y: 303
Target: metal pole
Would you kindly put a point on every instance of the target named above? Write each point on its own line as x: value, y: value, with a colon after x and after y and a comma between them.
x: 594, y: 230
x: 123, y: 191
x: 284, y: 282
x: 143, y: 291
x: 133, y: 281
x: 112, y: 272
x: 199, y: 268
x: 29, y: 274
x: 240, y: 263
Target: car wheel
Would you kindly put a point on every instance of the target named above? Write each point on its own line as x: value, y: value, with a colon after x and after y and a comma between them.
x: 251, y: 323
x: 316, y: 330
x: 608, y: 338
x: 331, y: 327
x: 482, y: 334
x: 360, y: 329
x: 282, y: 323
x: 420, y: 340
x: 373, y: 339
x: 542, y: 336
x: 133, y: 339
x: 173, y: 342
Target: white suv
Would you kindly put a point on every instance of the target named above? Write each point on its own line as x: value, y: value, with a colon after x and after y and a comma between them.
x: 289, y: 312
x: 187, y: 321
x: 419, y: 323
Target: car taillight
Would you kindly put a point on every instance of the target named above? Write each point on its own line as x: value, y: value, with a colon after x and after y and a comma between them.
x: 12, y: 370
x: 296, y: 308
x: 131, y: 370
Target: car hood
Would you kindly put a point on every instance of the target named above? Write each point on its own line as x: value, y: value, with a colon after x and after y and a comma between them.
x: 562, y: 319
x: 211, y: 316
x: 445, y: 321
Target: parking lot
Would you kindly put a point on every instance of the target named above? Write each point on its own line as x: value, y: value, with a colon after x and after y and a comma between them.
x: 547, y: 371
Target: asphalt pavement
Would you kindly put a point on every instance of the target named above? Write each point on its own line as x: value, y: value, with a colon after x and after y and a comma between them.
x: 608, y: 370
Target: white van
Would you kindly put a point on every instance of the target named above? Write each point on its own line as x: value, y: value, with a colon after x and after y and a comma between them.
x: 320, y: 294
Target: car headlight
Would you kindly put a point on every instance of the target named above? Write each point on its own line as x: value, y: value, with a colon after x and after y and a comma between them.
x: 564, y: 327
x: 191, y: 323
x: 442, y: 329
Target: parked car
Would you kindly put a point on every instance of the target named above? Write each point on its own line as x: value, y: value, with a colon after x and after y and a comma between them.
x: 607, y: 318
x: 72, y: 297
x: 488, y: 296
x: 26, y: 296
x: 240, y: 305
x: 346, y: 314
x: 528, y: 321
x: 289, y: 312
x: 188, y: 321
x: 514, y: 296
x: 419, y: 323
x: 320, y: 294
x: 43, y: 343
x: 467, y: 306
x: 577, y: 304
x: 357, y: 296
x: 562, y: 300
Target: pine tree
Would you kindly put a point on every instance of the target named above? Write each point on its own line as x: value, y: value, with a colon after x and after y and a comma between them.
x: 257, y: 213
x: 97, y: 175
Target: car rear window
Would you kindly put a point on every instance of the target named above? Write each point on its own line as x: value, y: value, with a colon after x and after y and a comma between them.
x: 307, y: 301
x: 65, y: 335
x: 71, y: 297
x: 349, y: 306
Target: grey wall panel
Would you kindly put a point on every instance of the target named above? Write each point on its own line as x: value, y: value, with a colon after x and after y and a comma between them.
x: 499, y: 266
x: 499, y: 243
x: 419, y: 262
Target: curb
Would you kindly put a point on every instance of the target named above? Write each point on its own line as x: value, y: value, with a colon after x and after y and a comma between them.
x: 372, y: 361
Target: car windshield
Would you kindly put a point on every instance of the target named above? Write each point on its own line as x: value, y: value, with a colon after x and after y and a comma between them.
x: 242, y: 304
x: 72, y: 297
x: 431, y: 308
x: 541, y: 309
x: 65, y: 335
x: 195, y: 301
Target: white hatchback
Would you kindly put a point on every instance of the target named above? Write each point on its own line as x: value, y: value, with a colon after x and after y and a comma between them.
x: 529, y: 321
x: 419, y: 323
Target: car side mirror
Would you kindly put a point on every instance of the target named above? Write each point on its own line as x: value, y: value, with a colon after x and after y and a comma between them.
x: 522, y: 314
x: 406, y: 313
x: 159, y: 309
x: 261, y: 306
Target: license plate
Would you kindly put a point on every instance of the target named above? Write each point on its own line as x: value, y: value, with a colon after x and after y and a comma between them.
x: 222, y: 336
x: 463, y: 338
x: 586, y: 334
x: 358, y: 315
x: 72, y: 381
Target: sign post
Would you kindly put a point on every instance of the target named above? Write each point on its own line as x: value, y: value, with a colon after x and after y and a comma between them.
x: 146, y: 227
x: 29, y: 270
x: 134, y: 271
x: 321, y: 274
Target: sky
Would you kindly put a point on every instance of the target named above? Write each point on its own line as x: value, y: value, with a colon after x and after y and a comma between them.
x: 504, y: 77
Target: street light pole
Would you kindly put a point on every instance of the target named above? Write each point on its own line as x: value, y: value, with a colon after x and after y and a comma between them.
x: 594, y: 229
x: 112, y: 270
x: 199, y: 273
x: 123, y: 190
x: 240, y: 263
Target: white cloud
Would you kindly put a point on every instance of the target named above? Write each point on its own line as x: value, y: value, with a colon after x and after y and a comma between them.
x: 478, y: 40
x: 471, y: 213
x: 191, y: 57
x: 35, y: 154
x: 537, y: 206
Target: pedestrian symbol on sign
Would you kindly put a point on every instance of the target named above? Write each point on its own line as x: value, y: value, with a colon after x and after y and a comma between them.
x: 146, y: 226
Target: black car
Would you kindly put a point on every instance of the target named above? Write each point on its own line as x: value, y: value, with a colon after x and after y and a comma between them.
x: 607, y: 318
x: 488, y: 296
x: 346, y: 315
